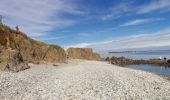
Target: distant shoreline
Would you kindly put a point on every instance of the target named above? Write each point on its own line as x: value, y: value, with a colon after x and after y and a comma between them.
x: 138, y: 51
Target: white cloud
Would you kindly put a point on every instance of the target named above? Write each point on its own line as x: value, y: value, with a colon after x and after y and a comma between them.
x: 118, y: 11
x: 138, y: 41
x: 141, y: 21
x: 50, y: 38
x: 161, y: 38
x: 155, y: 6
x: 128, y: 9
x: 80, y: 45
x: 37, y: 16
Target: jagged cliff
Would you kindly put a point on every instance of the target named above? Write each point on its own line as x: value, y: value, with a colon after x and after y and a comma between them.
x: 30, y: 50
x: 83, y: 53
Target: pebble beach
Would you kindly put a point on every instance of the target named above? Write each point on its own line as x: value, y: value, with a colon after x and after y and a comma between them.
x: 82, y: 80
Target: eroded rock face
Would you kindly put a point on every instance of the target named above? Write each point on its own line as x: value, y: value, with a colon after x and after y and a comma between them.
x: 83, y: 53
x: 55, y: 54
x: 46, y: 53
x: 30, y: 50
x: 35, y: 51
x: 12, y: 60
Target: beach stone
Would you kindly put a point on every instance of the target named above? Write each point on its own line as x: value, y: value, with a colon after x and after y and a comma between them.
x: 83, y: 80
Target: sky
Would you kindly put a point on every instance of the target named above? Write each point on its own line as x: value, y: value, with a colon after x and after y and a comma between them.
x: 100, y: 24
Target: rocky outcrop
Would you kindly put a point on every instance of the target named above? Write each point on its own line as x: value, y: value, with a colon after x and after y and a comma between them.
x: 83, y: 53
x: 30, y: 50
x: 126, y: 61
x: 12, y: 60
x: 168, y: 61
x: 55, y: 54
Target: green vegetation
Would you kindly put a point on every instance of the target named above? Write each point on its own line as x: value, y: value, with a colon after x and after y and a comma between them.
x: 6, y: 29
x: 55, y: 46
x: 38, y: 43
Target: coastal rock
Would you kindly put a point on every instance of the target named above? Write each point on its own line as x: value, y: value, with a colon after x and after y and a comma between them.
x: 11, y: 60
x: 83, y: 53
x: 96, y: 56
x: 31, y: 50
x: 168, y: 61
x: 46, y: 53
x: 126, y: 61
x: 55, y: 54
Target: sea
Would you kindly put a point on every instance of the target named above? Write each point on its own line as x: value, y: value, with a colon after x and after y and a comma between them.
x: 146, y: 55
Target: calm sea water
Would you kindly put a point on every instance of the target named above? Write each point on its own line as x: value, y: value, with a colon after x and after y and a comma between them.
x: 151, y: 68
x: 147, y: 55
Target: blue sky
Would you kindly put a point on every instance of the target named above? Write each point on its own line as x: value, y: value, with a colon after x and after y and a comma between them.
x: 100, y: 24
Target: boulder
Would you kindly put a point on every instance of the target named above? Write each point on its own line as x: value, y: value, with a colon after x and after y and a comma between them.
x: 168, y: 61
x: 12, y: 60
x: 83, y: 53
x: 107, y: 59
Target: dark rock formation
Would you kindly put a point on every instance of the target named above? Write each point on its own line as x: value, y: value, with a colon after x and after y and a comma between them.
x: 83, y: 53
x: 30, y: 50
x: 168, y: 61
x: 11, y: 60
x: 126, y: 61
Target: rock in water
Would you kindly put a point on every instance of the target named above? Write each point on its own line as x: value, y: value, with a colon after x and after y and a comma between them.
x: 12, y: 60
x: 83, y: 53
